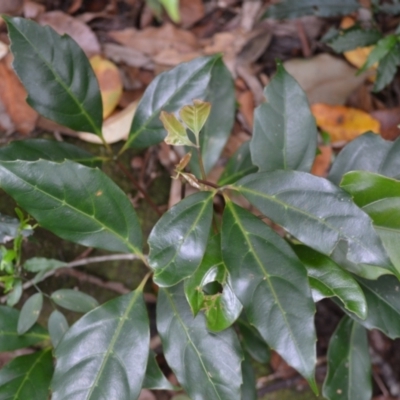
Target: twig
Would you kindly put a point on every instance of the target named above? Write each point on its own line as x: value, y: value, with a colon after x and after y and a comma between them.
x: 78, y: 263
x: 305, y: 45
x: 138, y: 187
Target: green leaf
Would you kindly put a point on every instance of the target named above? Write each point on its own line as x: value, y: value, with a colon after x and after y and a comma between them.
x: 172, y: 8
x: 56, y: 73
x: 322, y: 8
x: 249, y: 391
x: 57, y: 325
x: 104, y: 354
x: 379, y: 197
x: 272, y: 285
x: 387, y: 68
x: 369, y: 152
x: 298, y: 202
x: 177, y: 135
x: 35, y: 149
x: 94, y: 211
x: 30, y: 312
x: 38, y: 264
x: 27, y: 377
x: 221, y: 309
x: 10, y: 339
x: 238, y: 166
x: 196, y: 115
x: 327, y: 279
x: 154, y: 378
x: 388, y: 8
x: 74, y: 300
x: 349, y: 365
x: 348, y: 39
x: 169, y: 91
x: 15, y: 295
x: 383, y: 302
x: 252, y: 342
x: 381, y: 49
x: 220, y: 92
x: 285, y: 134
x: 176, y: 253
x: 207, y: 365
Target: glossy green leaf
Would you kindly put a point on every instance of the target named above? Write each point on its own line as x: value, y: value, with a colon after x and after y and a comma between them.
x: 57, y: 325
x: 379, y: 197
x: 35, y: 149
x: 322, y: 8
x: 74, y: 300
x: 327, y: 279
x: 349, y: 365
x: 10, y: 339
x: 387, y: 68
x: 383, y: 302
x: 57, y: 75
x: 317, y: 213
x: 369, y: 152
x: 238, y: 166
x: 249, y: 391
x: 264, y: 270
x: 38, y: 264
x: 30, y: 312
x: 177, y: 135
x: 169, y: 91
x: 94, y: 211
x: 348, y: 39
x: 252, y: 342
x: 221, y: 309
x: 207, y: 365
x: 388, y: 8
x: 285, y: 134
x: 27, y: 377
x: 104, y: 354
x: 220, y: 92
x: 154, y: 378
x: 172, y: 8
x: 178, y: 240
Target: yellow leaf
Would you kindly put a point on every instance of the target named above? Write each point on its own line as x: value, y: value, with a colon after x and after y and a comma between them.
x: 343, y: 123
x: 177, y: 135
x: 195, y: 116
x: 109, y: 81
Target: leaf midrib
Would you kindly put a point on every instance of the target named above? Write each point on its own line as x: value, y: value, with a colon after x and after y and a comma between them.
x: 57, y: 78
x: 63, y: 203
x: 267, y: 276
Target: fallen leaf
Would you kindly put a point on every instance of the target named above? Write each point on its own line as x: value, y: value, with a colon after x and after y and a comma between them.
x: 10, y: 6
x: 322, y: 161
x: 3, y: 50
x: 172, y: 57
x: 12, y: 96
x: 109, y: 81
x: 324, y: 78
x: 32, y: 9
x: 191, y: 11
x: 246, y: 107
x: 343, y: 123
x: 127, y: 55
x: 390, y: 121
x: 115, y: 128
x: 79, y: 31
x: 151, y: 41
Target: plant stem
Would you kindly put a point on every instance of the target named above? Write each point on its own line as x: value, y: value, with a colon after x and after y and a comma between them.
x: 138, y: 187
x: 201, y: 164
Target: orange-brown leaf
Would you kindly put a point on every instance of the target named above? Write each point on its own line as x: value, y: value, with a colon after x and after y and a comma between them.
x: 343, y: 123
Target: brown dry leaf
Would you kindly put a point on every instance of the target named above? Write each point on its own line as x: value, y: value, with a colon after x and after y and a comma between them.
x: 3, y: 50
x: 246, y: 106
x: 152, y: 41
x: 12, y: 96
x: 390, y: 121
x: 324, y: 78
x: 80, y: 32
x: 10, y: 6
x: 343, y: 123
x: 127, y: 55
x: 191, y: 11
x: 115, y: 128
x: 322, y: 161
x: 32, y: 9
x: 280, y: 366
x: 172, y: 57
x: 145, y: 394
x: 109, y: 81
